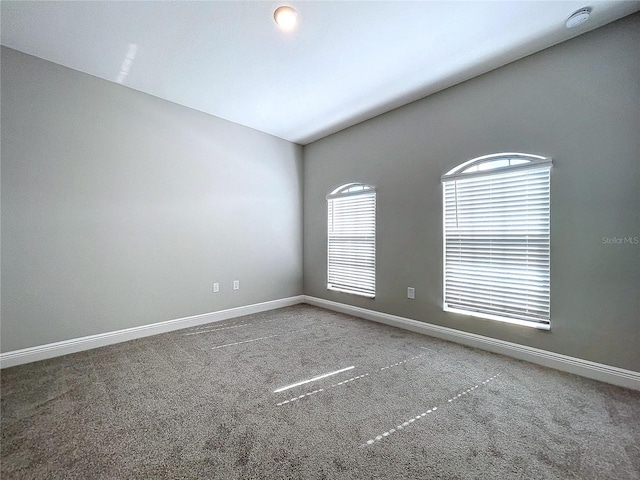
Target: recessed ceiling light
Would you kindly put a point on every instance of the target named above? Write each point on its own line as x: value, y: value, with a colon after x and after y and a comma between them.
x: 286, y: 17
x: 578, y: 18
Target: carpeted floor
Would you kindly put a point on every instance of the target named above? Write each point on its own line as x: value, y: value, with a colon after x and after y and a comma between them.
x: 200, y: 403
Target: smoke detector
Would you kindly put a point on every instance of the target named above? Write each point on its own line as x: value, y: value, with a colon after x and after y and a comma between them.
x: 578, y: 18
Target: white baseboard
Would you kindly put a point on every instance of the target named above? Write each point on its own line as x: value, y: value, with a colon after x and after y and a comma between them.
x: 577, y: 366
x: 50, y: 350
x: 585, y: 368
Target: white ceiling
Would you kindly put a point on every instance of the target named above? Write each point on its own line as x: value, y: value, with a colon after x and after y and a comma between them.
x: 344, y: 63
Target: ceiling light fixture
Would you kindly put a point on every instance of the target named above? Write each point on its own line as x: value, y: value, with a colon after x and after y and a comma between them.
x: 286, y: 17
x: 578, y: 18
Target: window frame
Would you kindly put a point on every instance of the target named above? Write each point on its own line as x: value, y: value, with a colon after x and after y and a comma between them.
x: 472, y: 170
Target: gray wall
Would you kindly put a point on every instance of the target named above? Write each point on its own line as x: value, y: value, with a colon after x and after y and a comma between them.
x: 120, y: 209
x: 579, y: 103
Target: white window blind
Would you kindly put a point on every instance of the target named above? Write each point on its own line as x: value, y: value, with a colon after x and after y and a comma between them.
x: 351, y: 263
x: 497, y: 239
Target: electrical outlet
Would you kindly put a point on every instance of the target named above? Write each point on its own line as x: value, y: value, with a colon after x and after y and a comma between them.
x: 411, y: 293
x: 236, y: 284
x: 216, y: 287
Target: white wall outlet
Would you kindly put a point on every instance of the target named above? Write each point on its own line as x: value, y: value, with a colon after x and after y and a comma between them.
x: 236, y: 284
x: 411, y: 293
x: 216, y: 287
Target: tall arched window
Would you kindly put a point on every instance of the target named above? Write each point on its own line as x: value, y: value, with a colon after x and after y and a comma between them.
x: 497, y: 239
x: 351, y: 259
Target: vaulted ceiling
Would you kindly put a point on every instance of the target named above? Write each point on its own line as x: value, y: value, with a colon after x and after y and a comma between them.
x: 346, y: 61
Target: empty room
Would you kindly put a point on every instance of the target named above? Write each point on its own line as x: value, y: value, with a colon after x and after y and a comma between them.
x: 320, y: 240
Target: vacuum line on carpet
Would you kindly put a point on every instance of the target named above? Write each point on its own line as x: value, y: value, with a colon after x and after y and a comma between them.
x: 320, y: 390
x: 256, y: 339
x: 300, y: 396
x: 220, y: 324
x: 348, y: 380
x: 422, y: 415
x: 208, y: 325
x: 216, y: 329
x: 245, y: 341
x: 400, y: 363
x: 212, y: 329
x: 282, y: 389
x: 260, y: 322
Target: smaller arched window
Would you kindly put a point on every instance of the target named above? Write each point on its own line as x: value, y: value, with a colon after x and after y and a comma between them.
x: 497, y: 238
x: 351, y: 242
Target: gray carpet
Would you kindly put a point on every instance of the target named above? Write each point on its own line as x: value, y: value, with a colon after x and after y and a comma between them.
x: 200, y: 403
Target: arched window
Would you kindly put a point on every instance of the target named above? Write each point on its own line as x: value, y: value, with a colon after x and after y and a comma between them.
x: 351, y: 249
x: 497, y: 239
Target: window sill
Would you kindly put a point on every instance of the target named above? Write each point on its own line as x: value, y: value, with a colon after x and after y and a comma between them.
x: 358, y: 294
x: 487, y: 316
